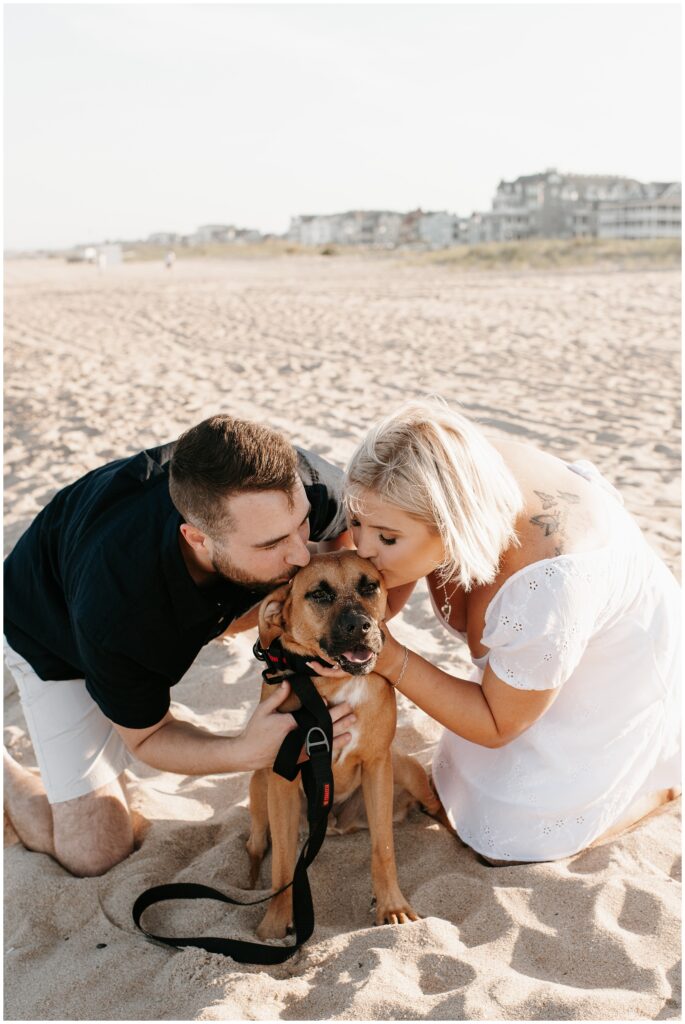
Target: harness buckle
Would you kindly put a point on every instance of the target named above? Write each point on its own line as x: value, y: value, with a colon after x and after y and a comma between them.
x: 310, y: 743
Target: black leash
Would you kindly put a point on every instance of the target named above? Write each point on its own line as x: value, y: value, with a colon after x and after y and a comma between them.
x: 315, y: 732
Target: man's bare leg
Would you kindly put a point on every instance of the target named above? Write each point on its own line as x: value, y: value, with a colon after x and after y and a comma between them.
x: 27, y: 806
x: 87, y: 835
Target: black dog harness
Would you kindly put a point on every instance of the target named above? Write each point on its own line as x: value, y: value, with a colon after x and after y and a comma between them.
x: 314, y: 732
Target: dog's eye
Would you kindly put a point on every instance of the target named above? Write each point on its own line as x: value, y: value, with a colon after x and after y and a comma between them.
x: 368, y: 588
x: 320, y: 596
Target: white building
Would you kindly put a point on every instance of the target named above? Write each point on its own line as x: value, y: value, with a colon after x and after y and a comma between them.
x: 376, y: 228
x: 658, y: 216
x: 164, y: 238
x: 554, y: 205
x: 438, y: 230
x: 211, y: 233
x: 105, y: 254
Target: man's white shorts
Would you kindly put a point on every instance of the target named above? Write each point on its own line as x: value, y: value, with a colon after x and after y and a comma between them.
x: 77, y: 748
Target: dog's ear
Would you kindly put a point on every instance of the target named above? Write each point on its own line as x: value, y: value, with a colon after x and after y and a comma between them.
x: 273, y: 615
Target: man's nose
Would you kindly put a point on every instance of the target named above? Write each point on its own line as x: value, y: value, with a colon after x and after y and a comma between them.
x: 298, y: 554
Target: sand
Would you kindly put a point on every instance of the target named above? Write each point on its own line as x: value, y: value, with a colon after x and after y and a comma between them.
x: 99, y: 365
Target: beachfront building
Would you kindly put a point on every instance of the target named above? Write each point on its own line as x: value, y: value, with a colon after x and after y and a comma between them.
x: 656, y: 214
x: 224, y: 234
x: 545, y: 205
x: 207, y: 233
x: 438, y: 230
x: 503, y: 225
x: 381, y: 229
x: 103, y: 254
x: 554, y: 205
x: 164, y: 238
x: 355, y: 227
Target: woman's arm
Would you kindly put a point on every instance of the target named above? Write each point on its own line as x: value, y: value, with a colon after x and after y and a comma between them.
x: 490, y: 715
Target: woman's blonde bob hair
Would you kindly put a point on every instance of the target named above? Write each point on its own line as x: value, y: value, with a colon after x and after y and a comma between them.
x: 437, y: 466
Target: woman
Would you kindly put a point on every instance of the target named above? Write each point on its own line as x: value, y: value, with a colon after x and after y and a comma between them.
x: 569, y: 729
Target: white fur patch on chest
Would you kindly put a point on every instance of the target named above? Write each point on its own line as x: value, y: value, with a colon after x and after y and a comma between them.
x: 353, y: 691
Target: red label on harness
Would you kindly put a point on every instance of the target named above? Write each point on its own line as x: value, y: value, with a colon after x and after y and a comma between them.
x: 326, y: 794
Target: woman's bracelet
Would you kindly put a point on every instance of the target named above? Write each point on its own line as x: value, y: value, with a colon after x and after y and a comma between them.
x: 404, y: 667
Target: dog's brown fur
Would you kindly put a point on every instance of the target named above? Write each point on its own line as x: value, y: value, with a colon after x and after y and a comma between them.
x: 308, y: 624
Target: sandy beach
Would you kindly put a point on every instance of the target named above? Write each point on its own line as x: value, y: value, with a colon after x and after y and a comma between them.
x: 584, y: 363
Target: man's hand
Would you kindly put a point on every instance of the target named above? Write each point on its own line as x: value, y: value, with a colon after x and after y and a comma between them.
x: 261, y: 740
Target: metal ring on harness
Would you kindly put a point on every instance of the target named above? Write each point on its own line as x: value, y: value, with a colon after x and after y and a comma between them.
x: 309, y: 742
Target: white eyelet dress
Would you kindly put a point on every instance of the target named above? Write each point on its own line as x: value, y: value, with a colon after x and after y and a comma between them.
x: 603, y: 625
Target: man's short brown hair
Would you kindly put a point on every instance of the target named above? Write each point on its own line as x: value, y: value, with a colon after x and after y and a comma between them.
x: 223, y: 456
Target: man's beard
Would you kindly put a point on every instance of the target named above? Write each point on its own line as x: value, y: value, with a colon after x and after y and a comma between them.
x: 222, y: 564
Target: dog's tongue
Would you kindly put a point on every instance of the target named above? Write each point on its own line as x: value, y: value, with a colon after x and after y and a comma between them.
x: 359, y: 654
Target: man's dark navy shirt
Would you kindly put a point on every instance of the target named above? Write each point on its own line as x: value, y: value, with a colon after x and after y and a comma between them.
x: 97, y: 587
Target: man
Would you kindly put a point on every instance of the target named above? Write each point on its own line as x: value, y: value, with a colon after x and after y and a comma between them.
x: 110, y: 595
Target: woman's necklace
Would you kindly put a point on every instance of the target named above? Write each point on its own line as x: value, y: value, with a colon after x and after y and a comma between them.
x: 447, y: 606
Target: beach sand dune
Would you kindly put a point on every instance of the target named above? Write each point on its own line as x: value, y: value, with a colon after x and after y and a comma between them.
x: 100, y: 365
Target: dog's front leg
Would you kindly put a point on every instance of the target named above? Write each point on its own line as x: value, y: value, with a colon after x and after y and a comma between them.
x: 284, y: 817
x: 377, y: 783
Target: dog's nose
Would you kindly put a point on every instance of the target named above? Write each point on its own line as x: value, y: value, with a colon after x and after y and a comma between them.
x: 352, y: 621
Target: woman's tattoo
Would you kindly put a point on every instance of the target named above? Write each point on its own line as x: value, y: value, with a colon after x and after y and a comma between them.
x: 550, y: 524
x: 555, y: 510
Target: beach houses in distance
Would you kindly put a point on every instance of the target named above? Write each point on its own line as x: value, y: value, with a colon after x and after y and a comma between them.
x: 545, y: 205
x: 206, y: 234
x: 554, y: 205
x: 381, y: 229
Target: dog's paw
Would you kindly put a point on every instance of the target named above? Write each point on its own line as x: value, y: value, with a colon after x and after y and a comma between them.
x: 274, y: 927
x: 397, y: 912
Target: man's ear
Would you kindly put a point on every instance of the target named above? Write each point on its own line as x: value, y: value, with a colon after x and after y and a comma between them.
x: 194, y: 537
x: 273, y: 615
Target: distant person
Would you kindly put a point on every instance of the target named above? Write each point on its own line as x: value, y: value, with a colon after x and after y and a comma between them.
x: 110, y: 595
x: 170, y: 259
x: 102, y: 261
x: 567, y: 730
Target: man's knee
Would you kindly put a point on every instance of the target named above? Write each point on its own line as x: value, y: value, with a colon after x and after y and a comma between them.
x: 93, y: 833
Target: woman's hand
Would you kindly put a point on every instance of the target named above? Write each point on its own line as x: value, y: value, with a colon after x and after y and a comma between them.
x: 389, y: 660
x: 327, y: 671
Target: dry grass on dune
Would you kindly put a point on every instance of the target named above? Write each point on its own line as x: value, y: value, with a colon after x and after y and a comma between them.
x: 531, y: 253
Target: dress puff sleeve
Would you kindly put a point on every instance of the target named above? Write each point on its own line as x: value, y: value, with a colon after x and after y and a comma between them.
x: 541, y: 621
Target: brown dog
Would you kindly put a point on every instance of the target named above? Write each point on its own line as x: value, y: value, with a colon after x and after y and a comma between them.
x: 332, y: 610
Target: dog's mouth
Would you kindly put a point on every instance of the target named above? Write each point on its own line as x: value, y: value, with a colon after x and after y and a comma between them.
x: 357, y: 661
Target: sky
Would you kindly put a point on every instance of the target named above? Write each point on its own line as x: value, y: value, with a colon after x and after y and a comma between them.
x: 123, y: 120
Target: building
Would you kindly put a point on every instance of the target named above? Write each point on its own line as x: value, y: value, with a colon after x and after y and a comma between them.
x: 438, y: 230
x: 224, y: 234
x: 652, y: 216
x: 211, y: 233
x: 378, y: 228
x: 105, y: 254
x: 381, y: 229
x: 164, y: 238
x: 554, y: 205
x: 545, y: 205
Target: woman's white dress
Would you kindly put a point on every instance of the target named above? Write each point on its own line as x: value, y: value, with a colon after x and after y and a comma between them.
x: 604, y: 626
